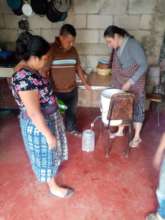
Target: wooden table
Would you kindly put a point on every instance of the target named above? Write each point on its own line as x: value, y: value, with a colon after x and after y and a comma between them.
x: 6, y: 98
x: 92, y: 98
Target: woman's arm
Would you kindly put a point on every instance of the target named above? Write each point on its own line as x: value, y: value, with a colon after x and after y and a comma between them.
x: 30, y: 100
x: 138, y: 55
x: 160, y: 152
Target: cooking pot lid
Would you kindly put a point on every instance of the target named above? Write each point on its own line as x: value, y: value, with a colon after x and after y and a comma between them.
x: 27, y: 9
x: 61, y: 5
x: 14, y: 4
x: 52, y: 14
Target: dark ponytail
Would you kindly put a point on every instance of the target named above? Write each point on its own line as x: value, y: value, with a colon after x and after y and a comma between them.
x: 28, y: 45
x: 112, y: 30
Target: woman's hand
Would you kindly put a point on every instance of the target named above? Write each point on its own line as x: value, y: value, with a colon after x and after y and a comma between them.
x: 126, y: 86
x: 88, y: 87
x: 157, y: 160
x: 51, y: 140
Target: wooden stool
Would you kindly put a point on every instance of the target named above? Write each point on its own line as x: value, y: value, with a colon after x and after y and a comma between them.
x: 158, y: 99
x: 121, y: 108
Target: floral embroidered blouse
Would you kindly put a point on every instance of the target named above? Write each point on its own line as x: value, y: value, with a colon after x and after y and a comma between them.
x: 25, y: 80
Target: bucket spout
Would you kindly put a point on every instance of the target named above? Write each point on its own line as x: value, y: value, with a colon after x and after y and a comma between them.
x: 94, y: 121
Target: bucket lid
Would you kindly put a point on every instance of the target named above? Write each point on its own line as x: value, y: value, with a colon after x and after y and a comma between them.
x: 110, y: 92
x: 88, y: 132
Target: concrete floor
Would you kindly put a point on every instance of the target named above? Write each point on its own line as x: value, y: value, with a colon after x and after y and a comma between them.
x: 106, y: 189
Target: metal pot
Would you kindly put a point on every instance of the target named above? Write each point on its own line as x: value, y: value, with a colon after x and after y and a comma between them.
x: 52, y: 13
x: 62, y: 5
x: 16, y: 6
x: 39, y: 6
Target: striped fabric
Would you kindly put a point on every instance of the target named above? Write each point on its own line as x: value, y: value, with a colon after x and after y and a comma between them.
x: 45, y: 162
x: 139, y: 110
x: 64, y: 62
x: 64, y: 65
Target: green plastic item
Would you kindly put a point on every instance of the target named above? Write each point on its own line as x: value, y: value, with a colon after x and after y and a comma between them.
x: 61, y: 106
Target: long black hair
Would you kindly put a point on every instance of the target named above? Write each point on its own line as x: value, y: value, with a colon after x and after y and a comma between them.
x: 28, y: 45
x: 112, y: 30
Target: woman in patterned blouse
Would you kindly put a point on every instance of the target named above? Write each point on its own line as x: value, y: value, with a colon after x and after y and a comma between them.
x: 40, y: 121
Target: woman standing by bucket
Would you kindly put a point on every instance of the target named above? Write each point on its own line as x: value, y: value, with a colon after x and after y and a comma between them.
x: 41, y: 123
x: 129, y: 65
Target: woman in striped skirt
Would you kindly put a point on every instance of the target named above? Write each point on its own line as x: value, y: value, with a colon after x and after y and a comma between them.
x: 40, y: 121
x: 129, y: 66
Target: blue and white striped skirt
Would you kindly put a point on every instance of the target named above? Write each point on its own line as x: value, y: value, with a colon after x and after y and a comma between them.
x: 139, y: 110
x: 45, y: 162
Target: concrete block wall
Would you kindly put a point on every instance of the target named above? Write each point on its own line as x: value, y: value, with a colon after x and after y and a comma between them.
x: 145, y: 19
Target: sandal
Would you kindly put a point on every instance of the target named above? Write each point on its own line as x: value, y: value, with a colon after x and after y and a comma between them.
x: 69, y: 192
x: 76, y: 133
x: 154, y: 217
x: 135, y: 143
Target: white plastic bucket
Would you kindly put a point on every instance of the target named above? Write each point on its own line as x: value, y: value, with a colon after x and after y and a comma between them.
x: 105, y: 103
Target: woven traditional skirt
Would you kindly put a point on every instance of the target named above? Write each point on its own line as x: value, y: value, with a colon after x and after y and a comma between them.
x: 139, y: 110
x: 45, y: 162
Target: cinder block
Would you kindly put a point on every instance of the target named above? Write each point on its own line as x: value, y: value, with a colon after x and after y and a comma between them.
x: 140, y: 35
x: 4, y: 8
x: 129, y: 22
x: 36, y: 31
x: 92, y: 49
x: 99, y: 21
x: 160, y: 23
x: 8, y: 35
x: 11, y: 21
x: 2, y: 23
x: 101, y: 37
x: 36, y: 21
x: 88, y: 36
x: 79, y: 21
x: 141, y: 7
x: 145, y: 22
x: 83, y: 61
x: 49, y: 34
x: 87, y: 6
x: 161, y: 6
x: 113, y: 7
